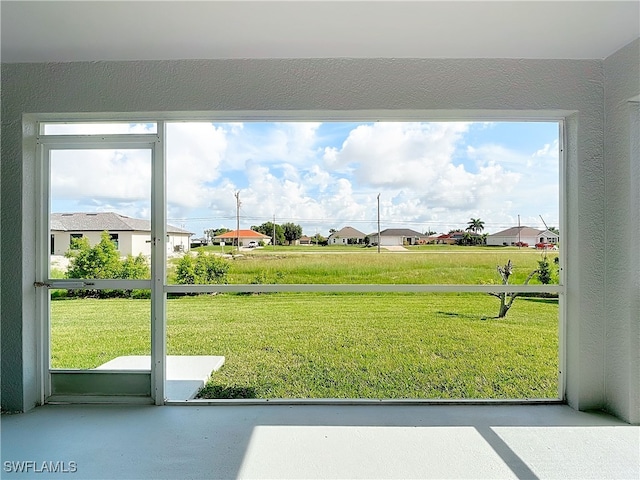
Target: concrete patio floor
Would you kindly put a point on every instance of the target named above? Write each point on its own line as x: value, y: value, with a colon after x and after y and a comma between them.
x: 322, y: 441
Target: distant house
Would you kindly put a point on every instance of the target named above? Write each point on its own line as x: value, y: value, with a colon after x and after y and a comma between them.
x: 244, y: 236
x: 457, y: 238
x: 199, y: 242
x: 449, y: 238
x: 528, y: 235
x: 346, y: 235
x: 398, y: 237
x: 305, y: 240
x: 132, y: 236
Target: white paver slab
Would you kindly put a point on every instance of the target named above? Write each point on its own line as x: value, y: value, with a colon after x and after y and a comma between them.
x: 186, y: 374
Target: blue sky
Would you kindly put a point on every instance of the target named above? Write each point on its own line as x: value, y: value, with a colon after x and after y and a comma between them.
x: 430, y: 176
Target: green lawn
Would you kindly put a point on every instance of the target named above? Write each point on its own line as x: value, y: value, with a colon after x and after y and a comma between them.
x: 332, y: 345
x: 441, y: 264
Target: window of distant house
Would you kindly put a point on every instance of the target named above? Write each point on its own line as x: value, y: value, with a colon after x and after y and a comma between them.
x: 73, y: 240
x: 114, y: 238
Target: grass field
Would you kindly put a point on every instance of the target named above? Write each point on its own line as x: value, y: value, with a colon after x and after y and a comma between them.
x: 437, y: 264
x: 315, y: 345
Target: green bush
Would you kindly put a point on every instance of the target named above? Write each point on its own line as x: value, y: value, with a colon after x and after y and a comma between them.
x: 546, y: 274
x: 201, y: 269
x: 103, y: 261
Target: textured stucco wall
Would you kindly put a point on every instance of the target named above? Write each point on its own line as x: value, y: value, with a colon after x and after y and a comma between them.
x: 376, y: 85
x: 622, y: 315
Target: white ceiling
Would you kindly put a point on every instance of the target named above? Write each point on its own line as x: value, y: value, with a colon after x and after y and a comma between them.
x: 63, y: 31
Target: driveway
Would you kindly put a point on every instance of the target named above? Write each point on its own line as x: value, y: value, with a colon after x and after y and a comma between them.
x: 394, y: 248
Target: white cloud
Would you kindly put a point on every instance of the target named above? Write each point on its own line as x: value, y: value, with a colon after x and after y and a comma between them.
x: 398, y: 154
x: 194, y: 155
x: 281, y: 143
x: 124, y: 175
x: 98, y: 128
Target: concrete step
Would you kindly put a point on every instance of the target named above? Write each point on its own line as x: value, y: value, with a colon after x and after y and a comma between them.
x: 186, y: 374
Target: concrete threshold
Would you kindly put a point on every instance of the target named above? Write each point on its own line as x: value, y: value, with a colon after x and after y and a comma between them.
x: 186, y: 374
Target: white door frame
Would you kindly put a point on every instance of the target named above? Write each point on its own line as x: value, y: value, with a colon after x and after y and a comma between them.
x: 154, y: 380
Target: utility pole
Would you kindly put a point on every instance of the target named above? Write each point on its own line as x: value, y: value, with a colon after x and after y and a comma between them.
x: 519, y: 229
x: 274, y: 231
x: 378, y: 223
x: 238, y: 219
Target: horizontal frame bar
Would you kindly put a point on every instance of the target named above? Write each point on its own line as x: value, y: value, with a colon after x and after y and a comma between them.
x: 435, y: 115
x: 362, y: 401
x: 101, y: 382
x: 99, y: 142
x: 362, y: 288
x: 99, y: 399
x: 98, y: 284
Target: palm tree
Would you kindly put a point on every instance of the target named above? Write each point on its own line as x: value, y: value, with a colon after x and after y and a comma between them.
x: 475, y: 225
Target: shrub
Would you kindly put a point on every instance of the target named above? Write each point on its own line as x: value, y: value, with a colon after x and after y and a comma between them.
x: 103, y: 261
x: 546, y: 274
x: 201, y: 269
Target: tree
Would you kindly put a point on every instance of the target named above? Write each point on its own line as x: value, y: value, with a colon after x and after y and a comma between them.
x: 100, y: 261
x: 214, y: 232
x: 554, y: 230
x: 475, y: 225
x: 546, y: 273
x: 292, y: 232
x: 103, y: 261
x: 318, y: 239
x: 429, y: 232
x: 507, y: 299
x: 267, y: 229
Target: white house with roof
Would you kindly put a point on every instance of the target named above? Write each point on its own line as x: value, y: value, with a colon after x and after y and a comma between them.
x: 393, y: 237
x: 344, y: 235
x: 132, y: 236
x: 529, y: 235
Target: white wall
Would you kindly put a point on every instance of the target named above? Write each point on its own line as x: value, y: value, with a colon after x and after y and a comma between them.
x: 427, y: 89
x: 390, y: 241
x: 621, y: 321
x: 129, y: 243
x: 494, y: 240
x: 141, y: 243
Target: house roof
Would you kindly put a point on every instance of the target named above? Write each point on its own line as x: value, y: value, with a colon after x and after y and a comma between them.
x: 514, y: 231
x: 242, y: 234
x: 348, y: 232
x: 399, y: 232
x: 101, y: 221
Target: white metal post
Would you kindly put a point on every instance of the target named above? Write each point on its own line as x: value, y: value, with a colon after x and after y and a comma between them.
x: 42, y: 295
x: 562, y: 255
x: 158, y: 268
